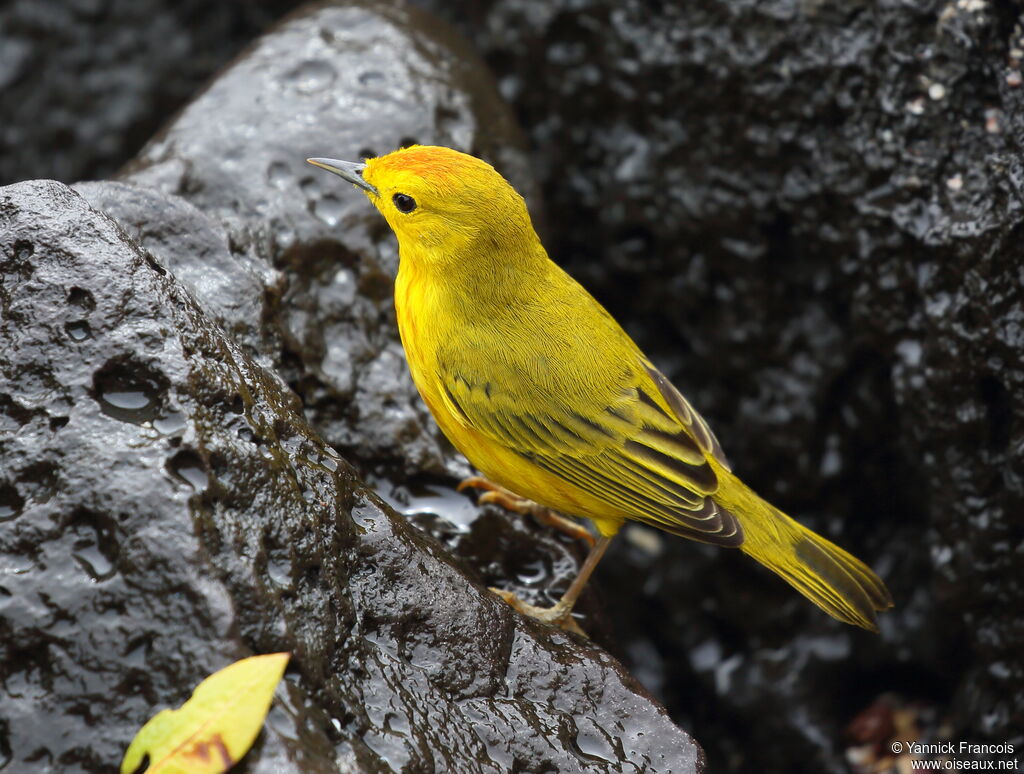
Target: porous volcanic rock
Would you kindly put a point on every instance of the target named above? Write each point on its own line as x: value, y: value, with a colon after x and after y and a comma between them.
x: 84, y: 83
x: 808, y: 213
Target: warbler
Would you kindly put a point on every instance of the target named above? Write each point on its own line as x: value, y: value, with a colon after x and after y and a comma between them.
x: 546, y: 395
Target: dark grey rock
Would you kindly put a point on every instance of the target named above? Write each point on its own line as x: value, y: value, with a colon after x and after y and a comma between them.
x: 84, y: 83
x: 110, y: 606
x: 231, y: 287
x: 807, y: 212
x: 167, y: 510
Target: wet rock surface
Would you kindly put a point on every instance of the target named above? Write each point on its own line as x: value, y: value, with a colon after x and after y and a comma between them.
x: 84, y: 83
x: 122, y: 435
x: 232, y: 286
x: 810, y: 215
x: 168, y: 509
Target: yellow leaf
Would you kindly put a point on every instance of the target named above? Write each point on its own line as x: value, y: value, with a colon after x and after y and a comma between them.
x: 210, y: 732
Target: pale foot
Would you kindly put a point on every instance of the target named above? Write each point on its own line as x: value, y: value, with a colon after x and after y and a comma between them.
x: 513, y: 502
x: 560, y: 615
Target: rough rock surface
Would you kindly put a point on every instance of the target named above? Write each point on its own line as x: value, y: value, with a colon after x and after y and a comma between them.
x: 230, y: 285
x: 166, y: 510
x: 810, y: 214
x: 84, y: 83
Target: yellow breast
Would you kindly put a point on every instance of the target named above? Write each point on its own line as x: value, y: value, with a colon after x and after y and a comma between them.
x: 424, y: 324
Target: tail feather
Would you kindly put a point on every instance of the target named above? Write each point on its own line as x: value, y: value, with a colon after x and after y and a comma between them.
x: 863, y: 575
x: 833, y: 579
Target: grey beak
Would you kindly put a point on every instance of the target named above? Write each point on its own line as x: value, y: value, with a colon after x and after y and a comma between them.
x: 349, y: 170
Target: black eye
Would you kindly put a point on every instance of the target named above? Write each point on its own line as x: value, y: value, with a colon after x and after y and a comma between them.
x: 404, y: 203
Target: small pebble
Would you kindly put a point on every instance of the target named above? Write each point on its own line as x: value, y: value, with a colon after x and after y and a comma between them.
x: 992, y: 121
x: 955, y: 183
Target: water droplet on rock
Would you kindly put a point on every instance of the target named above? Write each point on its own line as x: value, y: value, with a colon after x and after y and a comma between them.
x: 278, y: 175
x: 328, y: 209
x: 11, y: 502
x: 531, y: 572
x: 428, y: 498
x: 23, y: 250
x: 81, y: 298
x: 95, y: 547
x: 128, y: 392
x: 591, y: 743
x: 312, y: 75
x: 79, y: 330
x: 129, y: 400
x: 87, y: 553
x: 187, y: 466
x: 279, y: 568
x: 170, y: 424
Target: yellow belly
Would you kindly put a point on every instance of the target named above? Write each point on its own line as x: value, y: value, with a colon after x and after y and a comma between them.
x: 498, y: 463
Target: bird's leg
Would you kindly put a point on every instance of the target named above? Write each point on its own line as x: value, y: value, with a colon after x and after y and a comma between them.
x: 513, y: 502
x: 561, y: 613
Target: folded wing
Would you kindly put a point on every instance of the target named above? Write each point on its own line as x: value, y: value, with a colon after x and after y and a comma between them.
x: 645, y: 452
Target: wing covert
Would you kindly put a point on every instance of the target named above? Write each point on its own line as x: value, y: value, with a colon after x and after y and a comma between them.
x: 644, y: 452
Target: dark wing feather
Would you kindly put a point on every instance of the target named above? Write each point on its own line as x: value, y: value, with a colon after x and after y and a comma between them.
x: 688, y: 415
x: 646, y: 453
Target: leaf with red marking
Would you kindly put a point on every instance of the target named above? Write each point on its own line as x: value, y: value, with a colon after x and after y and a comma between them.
x: 210, y: 732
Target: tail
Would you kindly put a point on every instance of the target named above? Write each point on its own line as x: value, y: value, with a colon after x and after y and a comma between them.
x: 836, y: 581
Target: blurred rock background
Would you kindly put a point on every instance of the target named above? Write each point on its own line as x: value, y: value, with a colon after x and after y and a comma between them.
x: 808, y: 213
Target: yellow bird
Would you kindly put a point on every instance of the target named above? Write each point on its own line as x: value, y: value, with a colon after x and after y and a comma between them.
x: 547, y: 396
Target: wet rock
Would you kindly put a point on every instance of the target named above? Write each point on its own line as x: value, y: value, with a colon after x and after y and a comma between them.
x: 167, y: 510
x: 806, y: 212
x: 109, y: 606
x: 232, y: 287
x: 809, y: 214
x: 84, y: 83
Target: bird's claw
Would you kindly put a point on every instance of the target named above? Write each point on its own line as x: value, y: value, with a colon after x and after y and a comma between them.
x: 558, y: 615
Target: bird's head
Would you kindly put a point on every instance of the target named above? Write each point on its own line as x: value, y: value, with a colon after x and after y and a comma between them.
x: 440, y: 203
